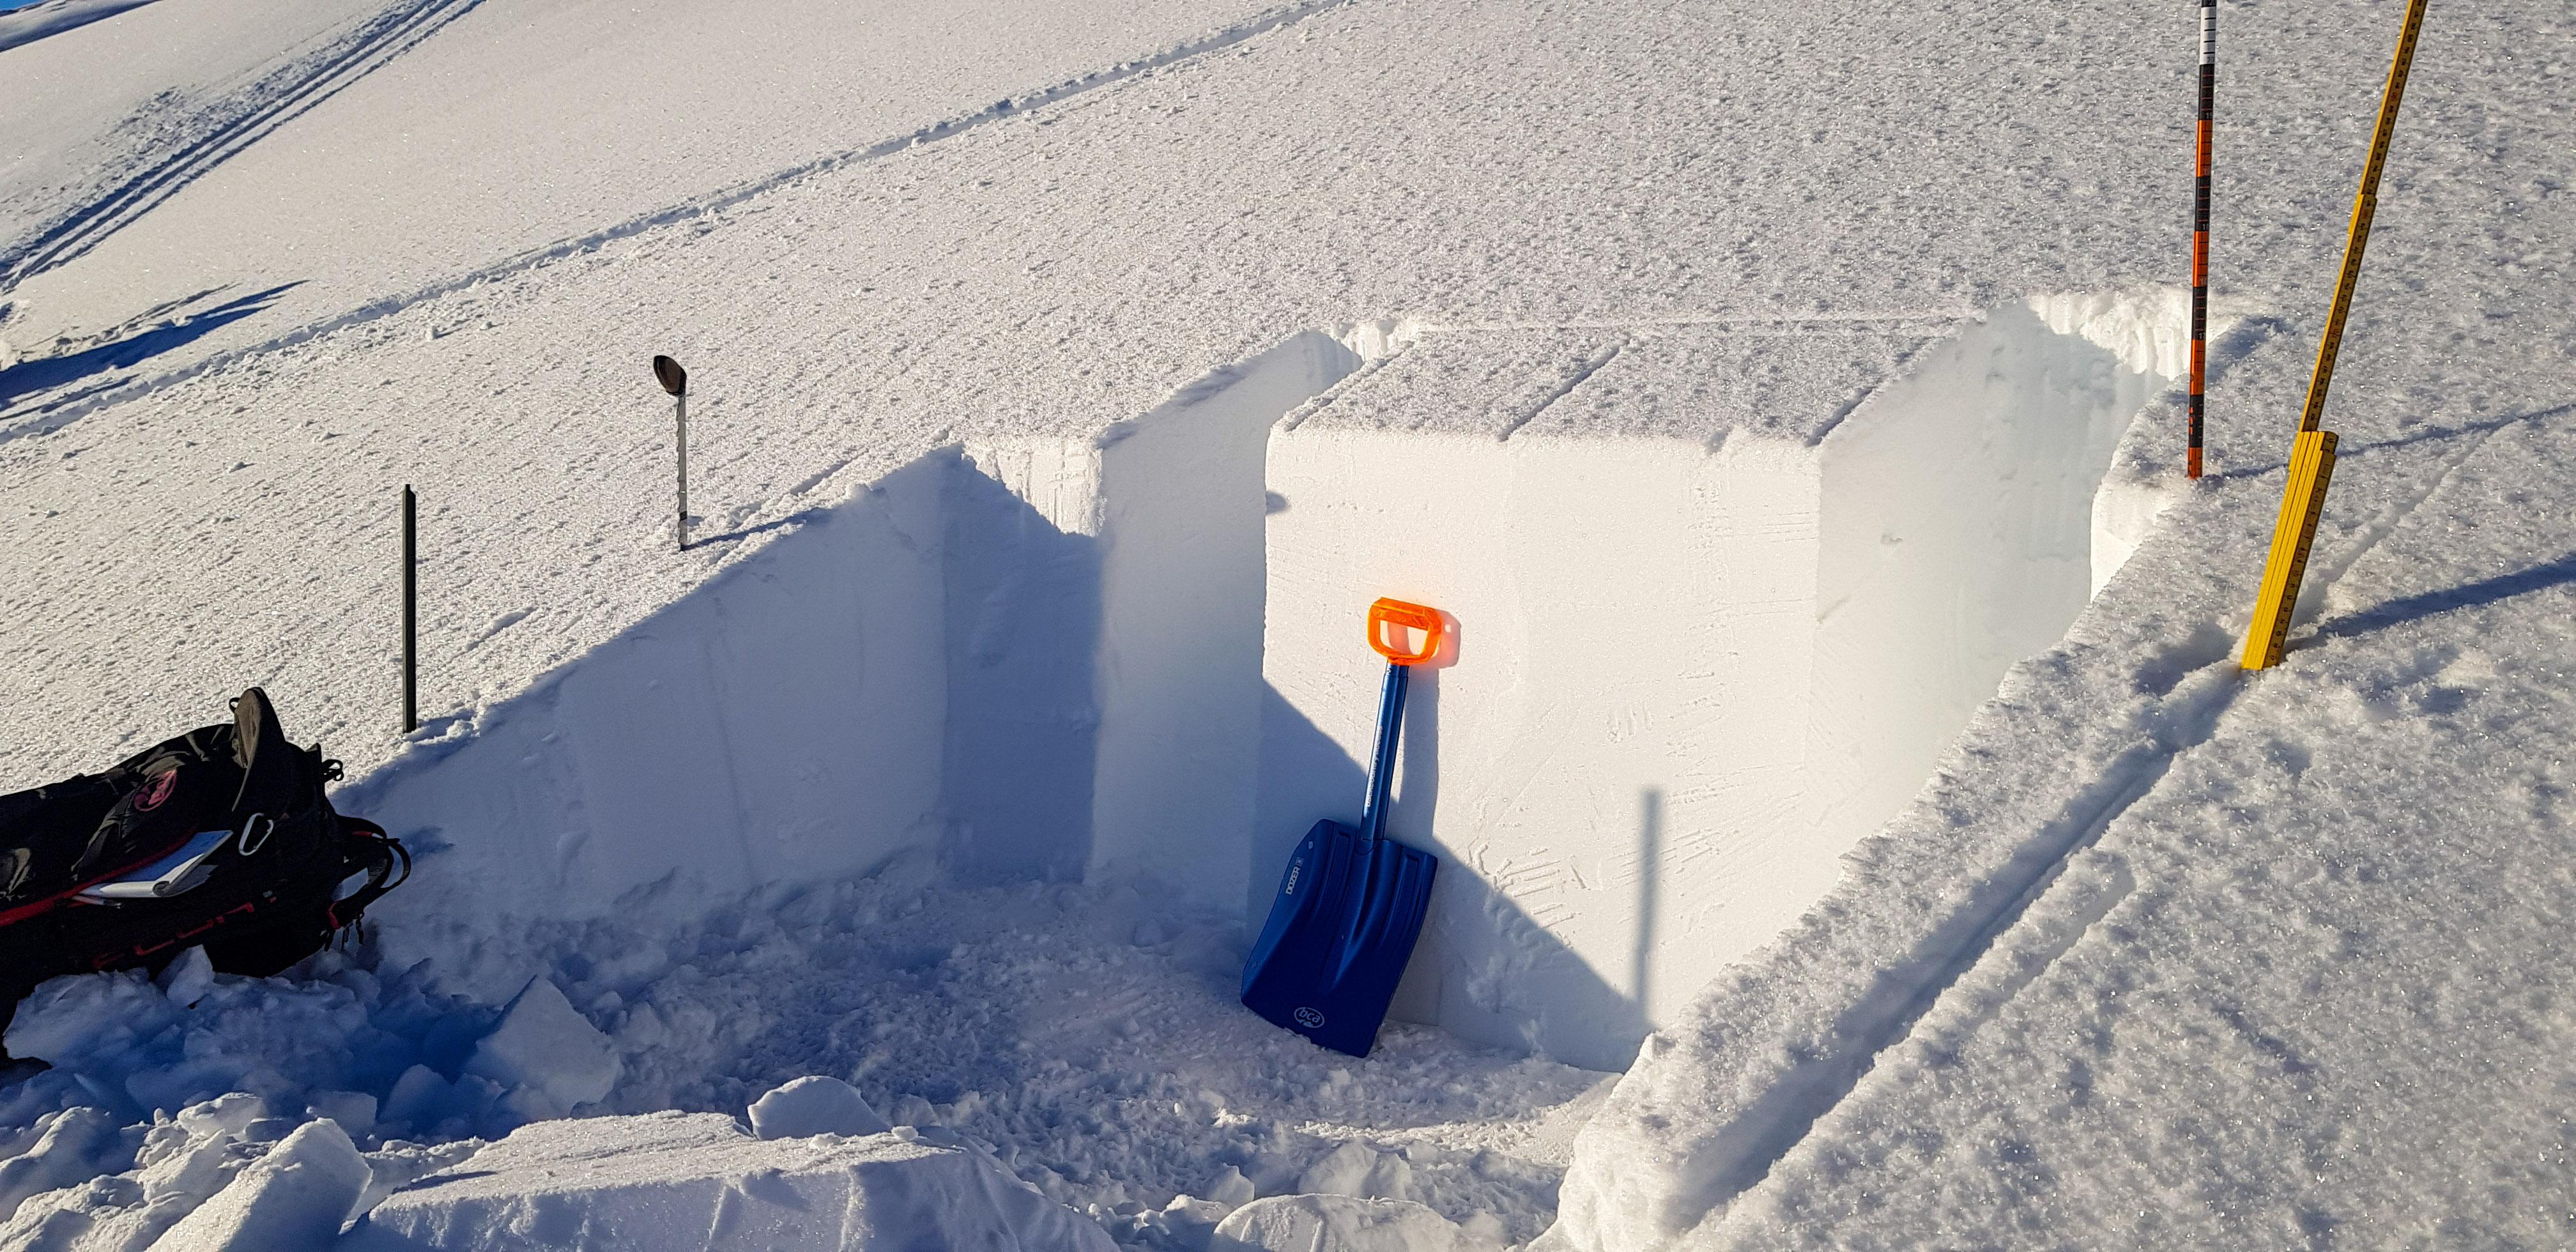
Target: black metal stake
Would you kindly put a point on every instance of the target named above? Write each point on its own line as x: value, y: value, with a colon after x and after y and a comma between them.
x: 410, y: 611
x: 676, y: 381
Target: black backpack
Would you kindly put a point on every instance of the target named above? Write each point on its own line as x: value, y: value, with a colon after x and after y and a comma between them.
x: 221, y: 837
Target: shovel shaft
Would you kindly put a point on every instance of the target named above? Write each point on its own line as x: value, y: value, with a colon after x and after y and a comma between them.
x: 1390, y: 727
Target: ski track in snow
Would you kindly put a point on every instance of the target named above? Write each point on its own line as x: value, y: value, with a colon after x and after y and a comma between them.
x: 1981, y: 1017
x: 235, y: 125
x: 26, y: 21
x: 85, y: 227
x: 1902, y: 997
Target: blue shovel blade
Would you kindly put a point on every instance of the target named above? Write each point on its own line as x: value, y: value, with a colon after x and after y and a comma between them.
x: 1339, y: 936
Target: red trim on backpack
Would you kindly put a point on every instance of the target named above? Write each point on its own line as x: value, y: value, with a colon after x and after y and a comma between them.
x: 146, y: 949
x: 51, y: 902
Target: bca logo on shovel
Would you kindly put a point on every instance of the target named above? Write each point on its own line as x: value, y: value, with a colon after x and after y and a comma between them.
x: 1309, y: 1018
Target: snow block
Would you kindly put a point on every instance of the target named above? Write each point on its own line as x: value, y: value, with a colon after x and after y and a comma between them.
x: 548, y: 1056
x: 187, y: 979
x: 179, y: 1164
x: 77, y: 1015
x: 1336, y: 1223
x: 814, y: 1105
x: 294, y: 1197
x: 694, y: 1181
x: 1105, y: 607
x: 1722, y: 596
x: 1356, y: 1169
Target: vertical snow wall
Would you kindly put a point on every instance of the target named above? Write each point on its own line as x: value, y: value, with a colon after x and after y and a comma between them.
x: 1038, y: 658
x: 1723, y: 594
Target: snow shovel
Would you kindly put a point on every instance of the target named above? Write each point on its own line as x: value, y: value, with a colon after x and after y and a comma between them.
x: 1352, y: 901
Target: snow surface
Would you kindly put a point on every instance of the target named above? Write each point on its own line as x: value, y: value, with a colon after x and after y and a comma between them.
x: 2162, y: 954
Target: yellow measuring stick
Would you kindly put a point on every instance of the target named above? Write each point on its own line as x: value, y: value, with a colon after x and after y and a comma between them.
x: 2312, y: 451
x: 2312, y: 457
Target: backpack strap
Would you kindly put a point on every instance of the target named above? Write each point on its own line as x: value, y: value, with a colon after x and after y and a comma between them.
x: 391, y: 868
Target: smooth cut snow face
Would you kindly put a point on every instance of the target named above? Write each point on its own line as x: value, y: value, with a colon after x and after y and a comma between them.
x: 1034, y: 659
x: 1695, y: 661
x: 779, y: 724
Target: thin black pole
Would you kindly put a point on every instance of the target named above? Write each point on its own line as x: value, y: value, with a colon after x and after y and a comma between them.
x: 676, y: 381
x: 680, y: 408
x: 411, y: 612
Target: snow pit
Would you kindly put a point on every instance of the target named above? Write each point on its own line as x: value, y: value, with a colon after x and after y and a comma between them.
x: 1723, y: 594
x: 1005, y: 657
x: 695, y: 1180
x: 1134, y: 657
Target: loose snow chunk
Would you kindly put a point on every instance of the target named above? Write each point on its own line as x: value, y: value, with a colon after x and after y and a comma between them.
x: 1230, y: 1187
x: 294, y: 1197
x: 694, y: 1180
x: 1335, y: 1223
x: 74, y: 1146
x: 77, y: 1014
x: 815, y: 1105
x: 354, y: 1110
x: 187, y: 979
x: 547, y: 1052
x: 1356, y: 1169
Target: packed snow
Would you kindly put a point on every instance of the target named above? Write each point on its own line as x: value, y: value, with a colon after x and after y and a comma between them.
x: 876, y: 871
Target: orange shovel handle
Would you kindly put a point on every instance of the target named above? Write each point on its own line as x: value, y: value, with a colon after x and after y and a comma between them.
x: 1399, y: 614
